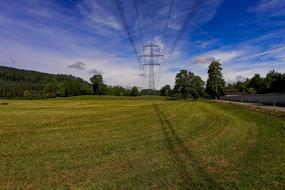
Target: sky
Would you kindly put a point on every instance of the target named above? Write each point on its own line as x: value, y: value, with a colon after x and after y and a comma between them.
x: 86, y: 37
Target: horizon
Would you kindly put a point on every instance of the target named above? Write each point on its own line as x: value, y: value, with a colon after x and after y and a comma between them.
x: 85, y: 37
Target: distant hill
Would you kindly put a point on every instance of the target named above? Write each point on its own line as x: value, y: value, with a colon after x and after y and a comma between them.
x: 19, y: 83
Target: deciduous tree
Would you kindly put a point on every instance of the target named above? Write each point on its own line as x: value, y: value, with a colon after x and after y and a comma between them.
x: 134, y: 91
x: 188, y: 85
x: 97, y: 84
x: 165, y: 91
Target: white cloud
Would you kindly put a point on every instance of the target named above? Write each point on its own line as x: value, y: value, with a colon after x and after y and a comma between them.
x: 220, y: 55
x: 204, y: 60
x: 226, y: 56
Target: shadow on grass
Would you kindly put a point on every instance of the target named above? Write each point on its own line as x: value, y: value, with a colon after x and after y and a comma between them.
x: 200, y: 179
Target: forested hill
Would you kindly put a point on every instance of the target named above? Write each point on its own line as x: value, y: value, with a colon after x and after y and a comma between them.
x: 19, y: 83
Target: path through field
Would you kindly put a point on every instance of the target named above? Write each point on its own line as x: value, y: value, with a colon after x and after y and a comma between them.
x: 138, y: 143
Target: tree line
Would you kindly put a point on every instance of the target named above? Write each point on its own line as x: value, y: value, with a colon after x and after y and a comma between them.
x: 25, y: 84
x: 273, y: 82
x: 100, y: 88
x: 18, y: 83
x: 189, y: 85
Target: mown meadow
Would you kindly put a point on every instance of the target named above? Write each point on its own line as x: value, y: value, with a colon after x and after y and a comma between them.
x: 138, y: 143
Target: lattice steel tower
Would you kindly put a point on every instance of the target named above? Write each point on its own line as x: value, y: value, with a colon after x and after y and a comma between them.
x: 151, y: 60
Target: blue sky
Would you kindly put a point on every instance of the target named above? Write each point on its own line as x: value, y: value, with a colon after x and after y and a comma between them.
x: 83, y: 37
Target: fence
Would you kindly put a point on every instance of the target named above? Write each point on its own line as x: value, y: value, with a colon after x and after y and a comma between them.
x: 262, y: 99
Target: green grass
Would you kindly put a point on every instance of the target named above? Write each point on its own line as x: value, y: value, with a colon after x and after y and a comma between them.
x: 138, y: 143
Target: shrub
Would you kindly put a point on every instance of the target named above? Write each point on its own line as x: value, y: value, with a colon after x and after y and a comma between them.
x: 50, y: 95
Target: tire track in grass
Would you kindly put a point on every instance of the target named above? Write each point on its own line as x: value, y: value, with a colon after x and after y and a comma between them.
x: 180, y: 156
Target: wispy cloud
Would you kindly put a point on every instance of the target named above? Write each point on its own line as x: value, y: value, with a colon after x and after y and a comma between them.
x: 244, y: 59
x: 98, y: 17
x: 204, y: 43
x: 203, y: 60
x: 272, y: 8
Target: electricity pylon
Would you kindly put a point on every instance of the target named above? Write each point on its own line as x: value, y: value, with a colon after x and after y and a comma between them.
x: 151, y: 59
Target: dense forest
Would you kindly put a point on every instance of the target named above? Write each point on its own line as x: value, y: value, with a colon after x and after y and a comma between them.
x: 18, y: 83
x: 24, y: 84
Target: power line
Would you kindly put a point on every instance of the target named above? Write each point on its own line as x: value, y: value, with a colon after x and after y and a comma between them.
x: 207, y: 34
x: 139, y: 20
x: 153, y: 20
x: 147, y: 21
x: 168, y: 18
x: 182, y: 31
x: 126, y: 27
x: 178, y: 15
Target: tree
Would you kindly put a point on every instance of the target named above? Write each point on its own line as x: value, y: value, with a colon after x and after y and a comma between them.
x: 118, y: 91
x: 215, y: 83
x: 62, y: 90
x: 134, y: 91
x: 50, y: 88
x: 50, y: 95
x: 165, y: 91
x: 256, y: 83
x: 188, y: 85
x: 181, y: 84
x: 102, y: 89
x: 28, y: 95
x: 97, y: 84
x: 14, y: 82
x: 276, y: 80
x: 196, y: 85
x: 272, y: 83
x: 242, y: 86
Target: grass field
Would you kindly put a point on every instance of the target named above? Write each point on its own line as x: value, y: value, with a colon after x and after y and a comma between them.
x: 138, y: 143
